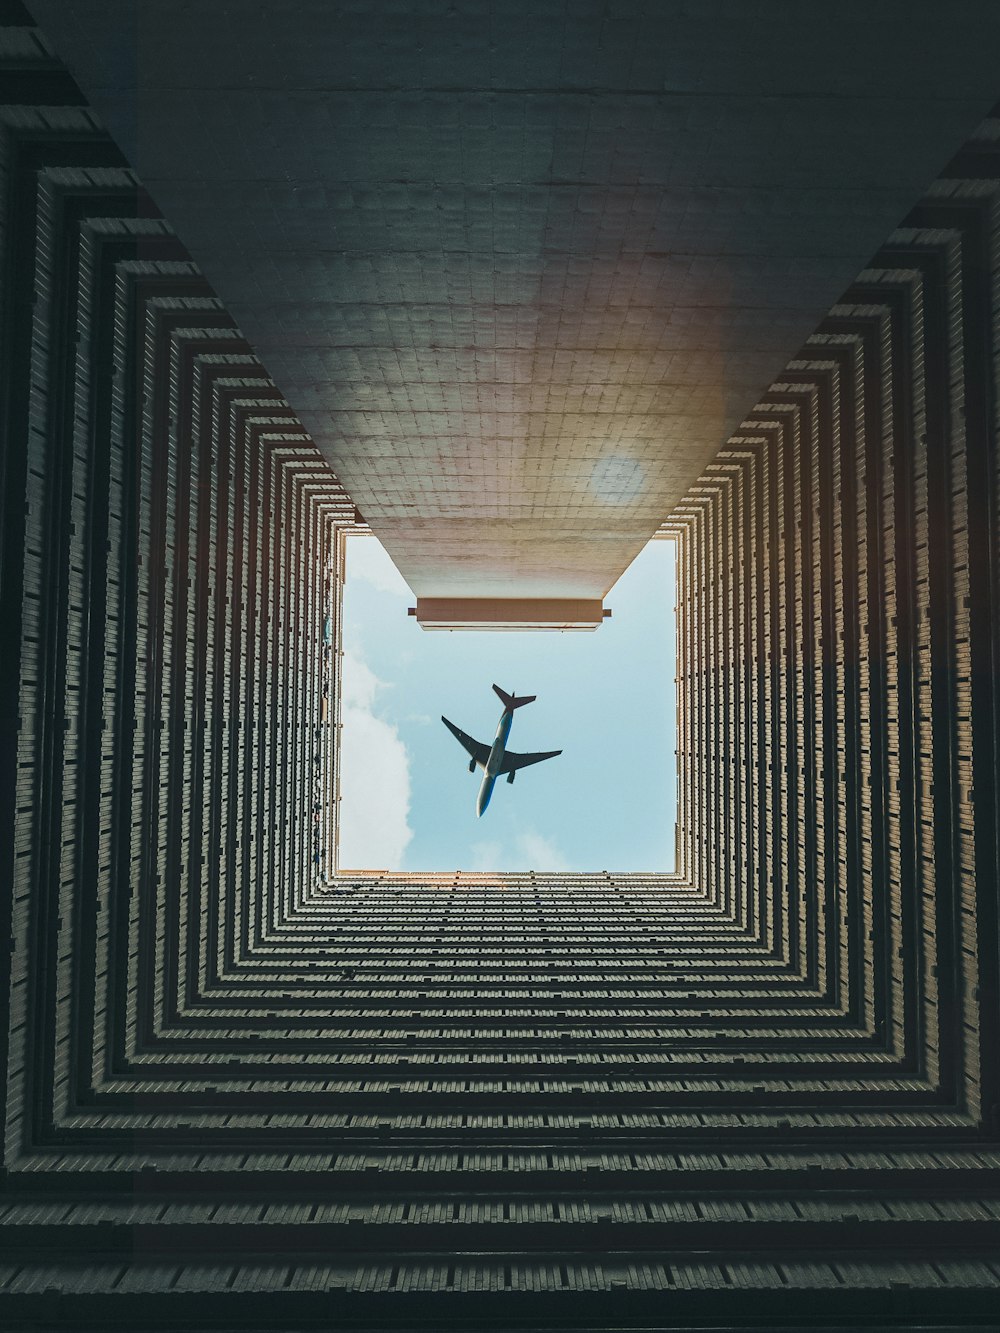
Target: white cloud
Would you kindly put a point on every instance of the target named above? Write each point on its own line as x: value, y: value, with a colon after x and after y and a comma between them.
x: 538, y: 853
x: 358, y: 683
x: 375, y: 777
x: 530, y: 851
x: 487, y: 856
x: 367, y: 559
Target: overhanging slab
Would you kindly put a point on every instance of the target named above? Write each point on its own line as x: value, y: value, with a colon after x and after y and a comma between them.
x: 509, y: 613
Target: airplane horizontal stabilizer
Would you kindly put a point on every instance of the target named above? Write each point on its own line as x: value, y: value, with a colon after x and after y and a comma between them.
x: 511, y: 701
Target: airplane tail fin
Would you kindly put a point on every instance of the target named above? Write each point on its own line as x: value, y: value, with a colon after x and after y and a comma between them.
x: 511, y: 701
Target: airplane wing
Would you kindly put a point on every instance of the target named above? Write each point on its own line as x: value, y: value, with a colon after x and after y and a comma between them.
x: 480, y: 753
x: 512, y: 762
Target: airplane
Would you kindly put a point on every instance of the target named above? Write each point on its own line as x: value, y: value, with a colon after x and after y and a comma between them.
x: 496, y: 759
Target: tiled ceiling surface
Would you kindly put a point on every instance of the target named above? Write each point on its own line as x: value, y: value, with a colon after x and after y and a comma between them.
x: 520, y: 269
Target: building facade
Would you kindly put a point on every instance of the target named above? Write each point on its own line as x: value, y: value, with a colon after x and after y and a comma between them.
x: 245, y: 1092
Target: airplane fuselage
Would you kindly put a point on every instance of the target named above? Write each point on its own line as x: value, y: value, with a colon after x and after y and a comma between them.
x: 494, y: 762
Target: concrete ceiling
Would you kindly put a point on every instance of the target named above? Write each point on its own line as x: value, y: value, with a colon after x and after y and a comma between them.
x: 522, y: 268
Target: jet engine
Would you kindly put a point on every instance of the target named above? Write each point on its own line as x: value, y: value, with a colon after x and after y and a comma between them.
x: 510, y: 775
x: 472, y: 765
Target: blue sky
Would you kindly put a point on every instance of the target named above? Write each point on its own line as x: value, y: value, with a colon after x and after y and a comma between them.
x: 606, y: 699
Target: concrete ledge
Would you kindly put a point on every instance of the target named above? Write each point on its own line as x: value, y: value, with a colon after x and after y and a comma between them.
x: 506, y: 613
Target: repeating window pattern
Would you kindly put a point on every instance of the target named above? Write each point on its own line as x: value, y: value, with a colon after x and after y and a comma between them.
x: 239, y: 1087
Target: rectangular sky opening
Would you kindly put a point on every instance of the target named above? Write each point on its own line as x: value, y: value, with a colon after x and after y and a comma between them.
x: 606, y: 699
